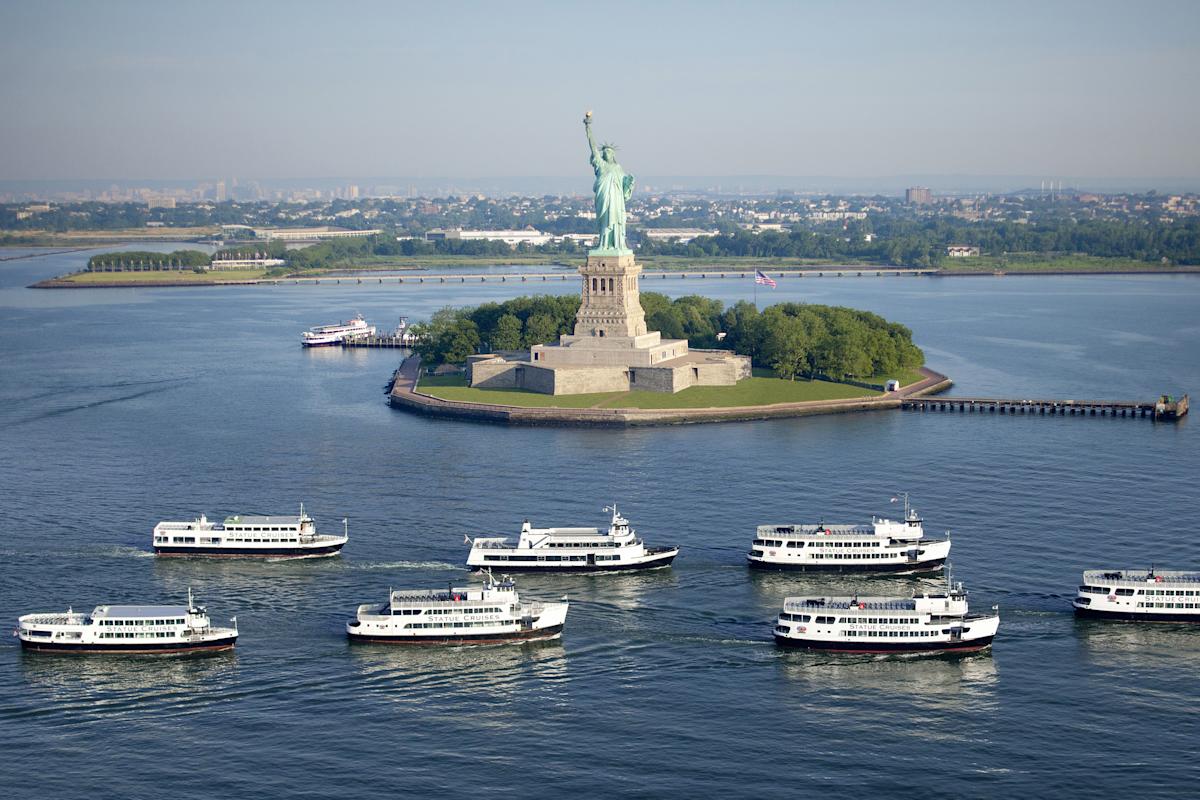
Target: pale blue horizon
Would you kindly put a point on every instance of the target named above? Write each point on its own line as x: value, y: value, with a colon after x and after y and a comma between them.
x: 155, y: 91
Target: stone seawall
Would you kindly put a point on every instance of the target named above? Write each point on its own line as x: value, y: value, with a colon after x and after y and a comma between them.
x: 405, y: 396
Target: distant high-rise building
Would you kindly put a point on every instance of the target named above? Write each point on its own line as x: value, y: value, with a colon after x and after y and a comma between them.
x: 352, y: 192
x: 221, y: 191
x: 918, y: 196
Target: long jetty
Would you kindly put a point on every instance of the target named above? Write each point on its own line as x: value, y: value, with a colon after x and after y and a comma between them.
x: 1159, y: 409
x: 546, y: 277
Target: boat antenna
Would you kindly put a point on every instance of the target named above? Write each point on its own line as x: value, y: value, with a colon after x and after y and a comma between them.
x: 907, y: 507
x: 191, y: 605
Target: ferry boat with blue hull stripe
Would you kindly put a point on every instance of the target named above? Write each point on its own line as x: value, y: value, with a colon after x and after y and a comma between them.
x: 884, y: 546
x: 130, y: 630
x: 248, y: 537
x: 928, y: 622
x: 491, y: 614
x: 1139, y: 595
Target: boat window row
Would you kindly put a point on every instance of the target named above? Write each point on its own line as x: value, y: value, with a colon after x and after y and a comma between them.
x: 137, y: 635
x: 452, y: 624
x: 853, y: 556
x: 1123, y: 592
x: 881, y: 620
x: 490, y: 557
x: 461, y: 610
x: 832, y: 543
x: 141, y: 622
x: 796, y: 617
x: 893, y: 634
x: 583, y: 544
x: 1168, y: 605
x: 261, y: 528
x: 263, y: 541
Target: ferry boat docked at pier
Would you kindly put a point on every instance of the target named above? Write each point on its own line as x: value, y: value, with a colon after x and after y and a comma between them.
x: 323, y: 335
x: 489, y: 614
x: 248, y: 537
x: 931, y: 621
x: 1139, y: 595
x: 126, y: 629
x: 570, y: 550
x: 883, y: 546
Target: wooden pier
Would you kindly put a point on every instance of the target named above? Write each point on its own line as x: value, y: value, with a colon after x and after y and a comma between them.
x: 378, y: 341
x: 1162, y: 409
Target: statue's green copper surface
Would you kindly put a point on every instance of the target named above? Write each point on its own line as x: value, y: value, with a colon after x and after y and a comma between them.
x: 612, y: 187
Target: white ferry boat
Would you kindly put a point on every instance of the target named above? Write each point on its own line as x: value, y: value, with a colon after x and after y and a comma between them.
x: 934, y: 621
x: 126, y: 629
x: 570, y: 550
x: 883, y: 546
x: 333, y: 334
x: 1139, y: 595
x: 248, y: 537
x: 489, y: 614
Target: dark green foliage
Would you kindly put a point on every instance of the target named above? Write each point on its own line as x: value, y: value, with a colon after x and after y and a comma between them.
x: 794, y: 339
x: 145, y: 260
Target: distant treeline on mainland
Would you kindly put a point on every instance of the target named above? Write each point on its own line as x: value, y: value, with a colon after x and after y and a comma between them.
x: 796, y: 340
x: 182, y: 259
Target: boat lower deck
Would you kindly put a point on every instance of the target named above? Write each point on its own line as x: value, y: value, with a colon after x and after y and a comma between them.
x: 192, y: 551
x: 860, y: 567
x: 965, y: 646
x: 1133, y: 616
x: 140, y: 648
x: 533, y: 635
x: 577, y: 567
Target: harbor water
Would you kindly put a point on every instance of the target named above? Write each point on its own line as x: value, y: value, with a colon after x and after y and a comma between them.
x: 123, y: 407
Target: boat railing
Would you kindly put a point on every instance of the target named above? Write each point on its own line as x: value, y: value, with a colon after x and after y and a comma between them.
x: 491, y: 543
x: 54, y: 619
x: 816, y: 604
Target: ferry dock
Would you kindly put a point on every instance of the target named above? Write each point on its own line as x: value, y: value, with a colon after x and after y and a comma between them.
x: 406, y: 340
x: 1165, y: 408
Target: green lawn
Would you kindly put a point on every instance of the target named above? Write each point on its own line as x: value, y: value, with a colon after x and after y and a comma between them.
x: 161, y: 276
x: 750, y: 392
x: 1036, y: 262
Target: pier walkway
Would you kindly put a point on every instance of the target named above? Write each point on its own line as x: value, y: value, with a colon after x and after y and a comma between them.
x: 991, y: 405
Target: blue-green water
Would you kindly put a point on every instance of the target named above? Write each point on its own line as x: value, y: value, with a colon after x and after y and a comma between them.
x: 119, y: 408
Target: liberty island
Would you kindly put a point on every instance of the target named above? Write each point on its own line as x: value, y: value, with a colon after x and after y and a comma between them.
x: 610, y: 349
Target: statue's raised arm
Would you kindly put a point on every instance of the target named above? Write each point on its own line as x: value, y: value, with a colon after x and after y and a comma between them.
x: 587, y: 126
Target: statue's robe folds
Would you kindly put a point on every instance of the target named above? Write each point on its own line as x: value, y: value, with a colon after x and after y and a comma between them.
x: 612, y: 188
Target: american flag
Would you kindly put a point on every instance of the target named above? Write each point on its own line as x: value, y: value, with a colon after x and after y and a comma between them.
x: 763, y: 278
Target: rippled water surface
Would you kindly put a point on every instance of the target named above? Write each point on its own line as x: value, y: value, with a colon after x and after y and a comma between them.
x: 119, y: 408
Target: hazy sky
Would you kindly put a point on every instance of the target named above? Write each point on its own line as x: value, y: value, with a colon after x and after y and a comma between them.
x: 292, y: 89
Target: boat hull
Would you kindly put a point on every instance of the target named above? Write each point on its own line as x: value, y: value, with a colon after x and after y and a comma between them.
x: 166, y: 648
x: 186, y: 551
x: 537, y: 634
x: 917, y: 566
x: 966, y: 646
x: 657, y: 562
x: 1130, y: 616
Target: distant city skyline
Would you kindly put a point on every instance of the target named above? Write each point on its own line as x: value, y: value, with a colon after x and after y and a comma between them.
x: 1096, y: 94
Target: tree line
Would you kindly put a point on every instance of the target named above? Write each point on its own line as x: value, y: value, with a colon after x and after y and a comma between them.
x: 923, y: 243
x: 796, y: 340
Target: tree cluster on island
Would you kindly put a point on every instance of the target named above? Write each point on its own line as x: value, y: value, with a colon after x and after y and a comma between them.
x: 796, y: 340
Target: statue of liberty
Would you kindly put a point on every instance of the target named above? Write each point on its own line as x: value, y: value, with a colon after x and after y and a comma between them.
x: 612, y: 187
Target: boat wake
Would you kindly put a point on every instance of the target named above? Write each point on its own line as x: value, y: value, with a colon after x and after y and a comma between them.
x: 411, y: 565
x: 58, y: 412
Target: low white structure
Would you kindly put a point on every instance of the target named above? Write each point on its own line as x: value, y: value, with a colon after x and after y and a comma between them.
x: 311, y: 234
x: 962, y: 251
x: 246, y: 263
x: 679, y: 235
x: 512, y: 238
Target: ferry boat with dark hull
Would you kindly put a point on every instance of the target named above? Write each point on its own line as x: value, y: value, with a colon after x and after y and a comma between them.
x: 883, y: 546
x: 570, y: 550
x: 936, y: 621
x: 1139, y: 595
x: 248, y: 537
x: 489, y: 614
x: 129, y: 630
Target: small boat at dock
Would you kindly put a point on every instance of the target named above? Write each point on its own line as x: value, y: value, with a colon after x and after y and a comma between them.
x: 324, y: 335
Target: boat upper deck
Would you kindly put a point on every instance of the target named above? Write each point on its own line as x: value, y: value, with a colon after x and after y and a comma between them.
x: 816, y: 530
x: 267, y: 520
x: 1142, y: 576
x: 850, y: 603
x: 139, y: 612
